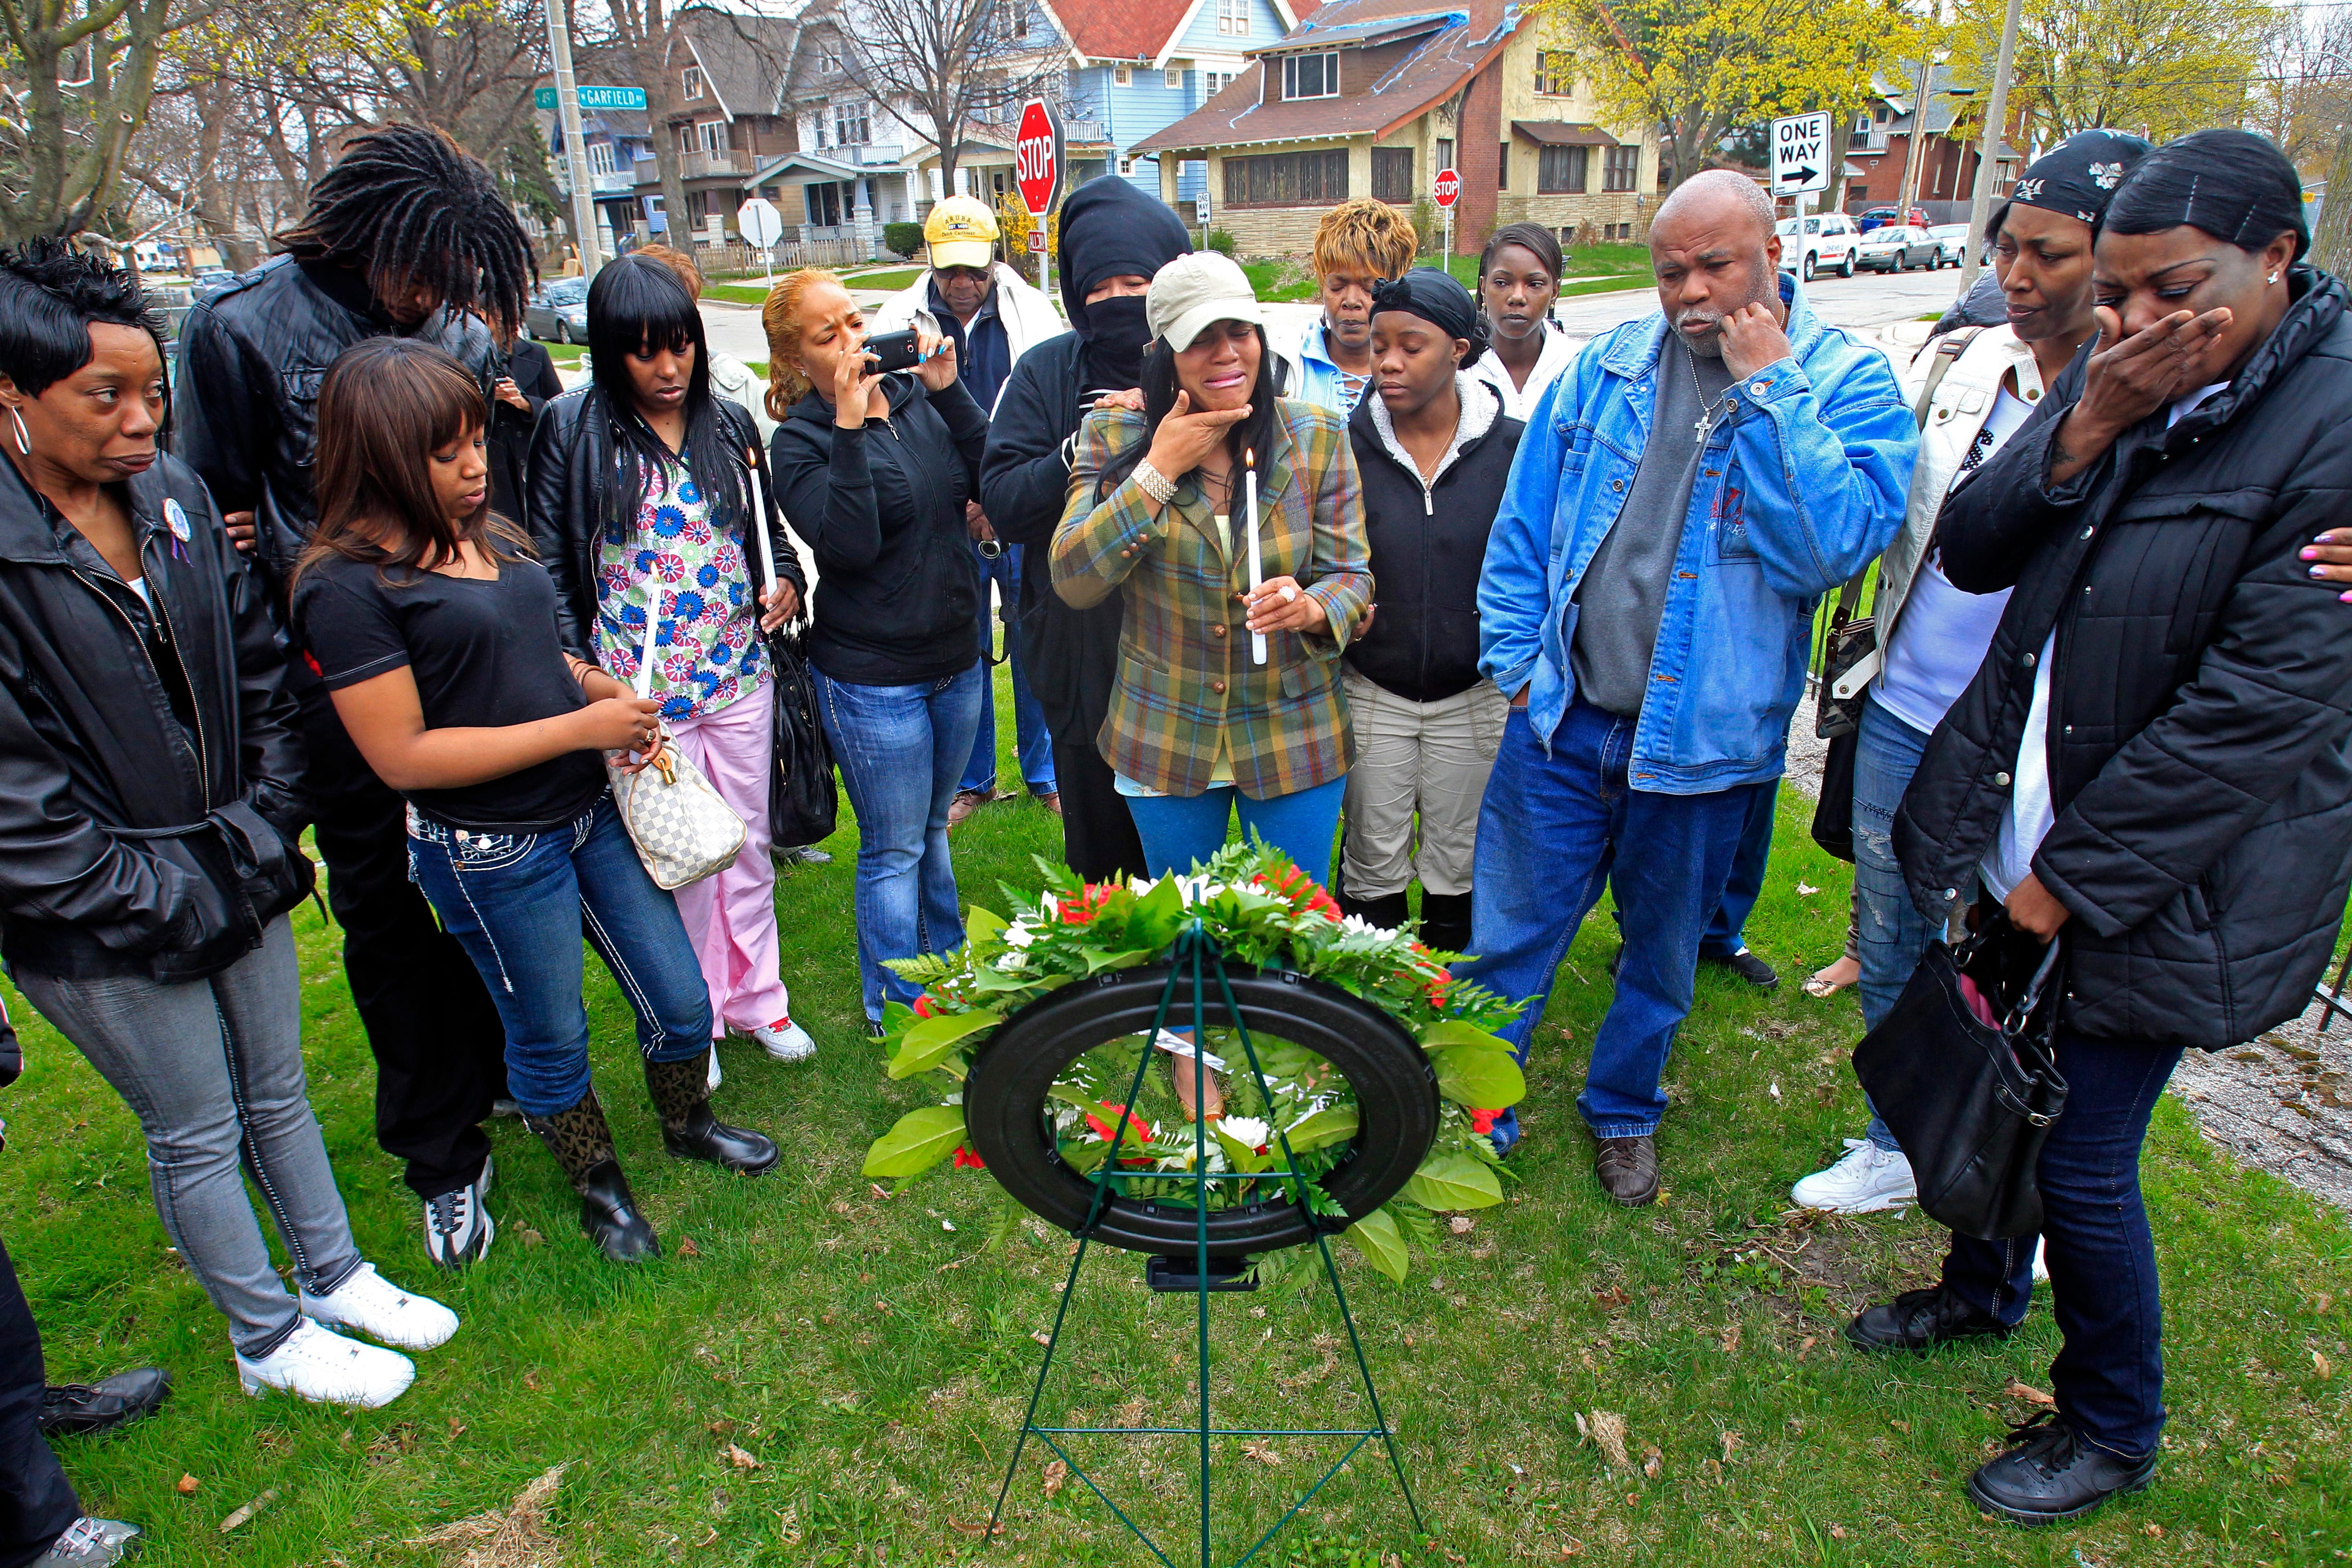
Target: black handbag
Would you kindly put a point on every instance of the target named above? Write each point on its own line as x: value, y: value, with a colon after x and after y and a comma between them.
x: 1847, y: 640
x: 1969, y: 1088
x: 802, y: 801
x: 1833, y: 810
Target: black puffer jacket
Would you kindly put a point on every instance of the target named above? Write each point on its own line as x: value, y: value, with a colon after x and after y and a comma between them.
x: 1429, y: 546
x: 573, y: 492
x: 898, y: 590
x: 245, y: 406
x: 2201, y: 716
x: 95, y: 756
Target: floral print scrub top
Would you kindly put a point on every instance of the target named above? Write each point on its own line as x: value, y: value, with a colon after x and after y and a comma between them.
x: 707, y: 652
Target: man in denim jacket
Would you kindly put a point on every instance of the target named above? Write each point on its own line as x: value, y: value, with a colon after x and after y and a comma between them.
x: 1683, y: 497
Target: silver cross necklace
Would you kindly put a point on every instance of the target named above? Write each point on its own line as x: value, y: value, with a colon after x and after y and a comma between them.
x: 1705, y: 421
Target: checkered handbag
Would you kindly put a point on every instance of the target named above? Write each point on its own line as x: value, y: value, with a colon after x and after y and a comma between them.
x: 683, y: 831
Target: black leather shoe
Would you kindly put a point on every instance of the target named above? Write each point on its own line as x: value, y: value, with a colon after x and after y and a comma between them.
x: 1747, y: 966
x: 608, y: 1212
x: 1920, y: 1320
x: 2052, y: 1475
x: 704, y: 1137
x: 80, y: 1409
x: 1445, y: 921
x: 1628, y: 1169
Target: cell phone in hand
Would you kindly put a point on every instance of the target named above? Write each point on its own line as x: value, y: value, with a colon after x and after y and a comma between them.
x: 895, y: 351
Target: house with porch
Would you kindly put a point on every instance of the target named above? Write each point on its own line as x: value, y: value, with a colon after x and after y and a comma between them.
x: 1880, y: 147
x: 1373, y: 97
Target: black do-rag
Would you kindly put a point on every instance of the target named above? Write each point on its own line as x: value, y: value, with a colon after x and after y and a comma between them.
x: 2078, y: 175
x: 1111, y: 229
x: 1436, y: 299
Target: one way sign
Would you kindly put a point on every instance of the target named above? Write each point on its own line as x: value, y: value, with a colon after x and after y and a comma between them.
x: 1801, y: 154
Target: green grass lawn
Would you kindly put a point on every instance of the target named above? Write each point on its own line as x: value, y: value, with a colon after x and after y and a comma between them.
x: 866, y: 1354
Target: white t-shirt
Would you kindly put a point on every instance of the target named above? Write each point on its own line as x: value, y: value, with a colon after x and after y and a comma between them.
x: 2027, y: 822
x: 1519, y: 402
x: 1941, y: 635
x: 139, y: 586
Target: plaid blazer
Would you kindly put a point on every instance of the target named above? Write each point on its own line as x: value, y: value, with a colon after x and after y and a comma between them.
x: 1185, y: 676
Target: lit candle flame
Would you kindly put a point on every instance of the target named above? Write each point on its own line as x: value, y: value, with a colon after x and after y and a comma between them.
x: 1249, y: 456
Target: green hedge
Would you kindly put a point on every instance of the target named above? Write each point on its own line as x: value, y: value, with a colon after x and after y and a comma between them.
x: 906, y: 238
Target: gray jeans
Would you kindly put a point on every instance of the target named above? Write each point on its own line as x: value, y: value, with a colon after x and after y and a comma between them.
x: 212, y: 1069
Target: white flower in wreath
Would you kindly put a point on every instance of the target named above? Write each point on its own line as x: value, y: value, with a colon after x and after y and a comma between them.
x: 1013, y: 962
x: 2027, y: 191
x: 2106, y: 175
x: 1020, y: 934
x: 1247, y: 1131
x: 1359, y: 926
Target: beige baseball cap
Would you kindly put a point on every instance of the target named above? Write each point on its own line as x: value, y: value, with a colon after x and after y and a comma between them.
x: 960, y: 232
x: 1192, y: 291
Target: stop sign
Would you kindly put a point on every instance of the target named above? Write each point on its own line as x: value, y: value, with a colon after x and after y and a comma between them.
x: 1449, y: 187
x: 1037, y: 157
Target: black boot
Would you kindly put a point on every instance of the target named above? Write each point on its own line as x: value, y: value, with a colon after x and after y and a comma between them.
x: 582, y: 1145
x: 1445, y: 921
x: 1390, y: 911
x: 681, y: 1094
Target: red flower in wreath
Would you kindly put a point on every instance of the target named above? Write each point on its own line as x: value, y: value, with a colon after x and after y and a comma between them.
x: 1136, y: 1127
x: 965, y: 1160
x: 926, y: 1008
x: 1481, y: 1122
x: 1078, y: 912
x: 1301, y: 890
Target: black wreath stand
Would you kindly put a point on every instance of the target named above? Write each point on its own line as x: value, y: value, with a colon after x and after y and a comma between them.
x: 1197, y: 957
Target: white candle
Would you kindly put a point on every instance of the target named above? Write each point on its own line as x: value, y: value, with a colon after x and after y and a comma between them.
x: 760, y: 526
x: 1249, y: 489
x: 653, y: 625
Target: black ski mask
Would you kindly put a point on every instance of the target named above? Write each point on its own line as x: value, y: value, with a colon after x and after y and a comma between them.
x: 1111, y: 230
x: 1116, y: 336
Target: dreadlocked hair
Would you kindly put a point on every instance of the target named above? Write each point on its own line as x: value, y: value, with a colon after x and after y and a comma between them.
x: 408, y: 207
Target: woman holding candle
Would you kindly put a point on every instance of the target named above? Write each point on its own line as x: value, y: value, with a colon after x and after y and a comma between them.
x: 639, y: 486
x: 436, y: 633
x: 1219, y: 500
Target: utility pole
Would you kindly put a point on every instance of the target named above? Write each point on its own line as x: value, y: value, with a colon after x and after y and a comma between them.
x: 575, y: 150
x: 1996, y: 118
x: 1907, y: 192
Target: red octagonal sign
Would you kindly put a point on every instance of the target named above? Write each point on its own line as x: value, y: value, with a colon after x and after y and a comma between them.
x: 1037, y: 158
x: 1449, y: 187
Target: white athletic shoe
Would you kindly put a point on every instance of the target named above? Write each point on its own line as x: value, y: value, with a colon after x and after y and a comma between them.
x: 1865, y: 1181
x: 458, y: 1229
x: 375, y: 1307
x: 785, y: 1040
x: 325, y: 1368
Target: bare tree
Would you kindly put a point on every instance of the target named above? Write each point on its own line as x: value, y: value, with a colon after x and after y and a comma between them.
x: 941, y: 66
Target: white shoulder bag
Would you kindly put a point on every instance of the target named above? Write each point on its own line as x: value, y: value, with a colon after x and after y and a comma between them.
x: 683, y: 831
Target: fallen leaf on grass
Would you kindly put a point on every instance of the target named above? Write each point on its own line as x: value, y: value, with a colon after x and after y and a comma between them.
x: 2154, y: 1532
x: 1571, y: 1549
x: 983, y: 1527
x: 878, y: 1190
x: 687, y: 1248
x: 1837, y: 1532
x: 1807, y: 889
x: 248, y: 1510
x: 1730, y: 1441
x: 739, y: 1458
x: 531, y: 1380
x: 1809, y: 1343
x: 1776, y: 1088
x: 1040, y: 1336
x: 1057, y: 1476
x: 1612, y: 1299
x: 530, y: 1237
x: 186, y: 1484
x: 1261, y: 1452
x: 456, y: 1428
x: 1461, y: 1224
x: 2320, y: 1363
x: 1608, y: 1433
x: 1653, y: 1461
x: 2032, y: 1396
x: 514, y: 1537
x: 1731, y: 1339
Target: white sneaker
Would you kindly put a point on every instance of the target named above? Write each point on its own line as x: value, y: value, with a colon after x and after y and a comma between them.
x: 1866, y: 1180
x: 382, y: 1311
x: 458, y: 1229
x: 327, y: 1369
x: 785, y: 1040
x: 2040, y: 1260
x: 715, y: 1074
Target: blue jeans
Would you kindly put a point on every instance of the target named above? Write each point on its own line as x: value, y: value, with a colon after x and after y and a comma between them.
x: 519, y: 904
x: 1179, y: 831
x: 901, y: 751
x: 2109, y: 1373
x: 1551, y: 831
x: 1032, y: 743
x: 1726, y: 932
x: 1891, y: 934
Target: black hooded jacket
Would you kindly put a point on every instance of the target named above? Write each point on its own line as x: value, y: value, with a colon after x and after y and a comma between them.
x: 2201, y: 713
x: 1070, y: 656
x: 118, y: 722
x: 245, y: 403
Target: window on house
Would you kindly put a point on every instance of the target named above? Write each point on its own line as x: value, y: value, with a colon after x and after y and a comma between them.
x: 1287, y: 180
x: 1862, y: 124
x: 685, y: 138
x: 600, y: 158
x: 1233, y: 18
x: 828, y: 64
x: 1620, y: 167
x: 1122, y: 75
x: 1503, y: 168
x: 850, y: 127
x: 1311, y: 76
x: 1446, y: 151
x: 1016, y: 18
x: 1559, y: 171
x: 1555, y: 73
x: 823, y: 199
x: 1392, y: 173
x: 1126, y: 166
x: 1172, y: 80
x: 693, y: 83
x: 712, y: 133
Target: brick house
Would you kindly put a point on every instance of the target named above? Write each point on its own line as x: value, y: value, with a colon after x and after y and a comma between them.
x: 1880, y: 148
x: 1373, y: 97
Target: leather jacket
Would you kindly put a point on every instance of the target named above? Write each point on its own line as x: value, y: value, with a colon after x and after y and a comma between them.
x: 149, y: 796
x: 244, y: 408
x: 574, y: 495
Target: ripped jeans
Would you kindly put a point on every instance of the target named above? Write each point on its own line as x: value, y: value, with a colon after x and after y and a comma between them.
x: 519, y: 904
x: 1892, y: 934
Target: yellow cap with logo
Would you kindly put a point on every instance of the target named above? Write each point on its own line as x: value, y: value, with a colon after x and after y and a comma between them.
x: 960, y: 232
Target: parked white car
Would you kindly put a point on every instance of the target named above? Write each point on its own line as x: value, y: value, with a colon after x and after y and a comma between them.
x: 1827, y: 244
x: 1953, y: 239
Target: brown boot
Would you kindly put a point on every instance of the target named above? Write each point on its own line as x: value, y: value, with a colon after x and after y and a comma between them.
x: 582, y: 1145
x: 681, y: 1095
x: 1628, y: 1169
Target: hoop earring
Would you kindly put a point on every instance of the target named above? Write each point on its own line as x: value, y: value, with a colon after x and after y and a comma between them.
x: 24, y: 437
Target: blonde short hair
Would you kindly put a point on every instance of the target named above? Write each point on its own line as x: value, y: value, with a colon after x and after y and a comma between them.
x: 1364, y: 236
x: 677, y: 261
x: 781, y: 318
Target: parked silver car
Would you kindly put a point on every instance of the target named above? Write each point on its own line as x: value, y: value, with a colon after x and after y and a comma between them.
x: 558, y: 310
x: 1898, y: 247
x: 1952, y: 240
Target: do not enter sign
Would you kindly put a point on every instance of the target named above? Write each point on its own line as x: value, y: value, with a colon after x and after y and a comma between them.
x: 1037, y: 157
x: 1449, y: 187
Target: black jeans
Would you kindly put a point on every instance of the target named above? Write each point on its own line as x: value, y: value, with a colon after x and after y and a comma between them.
x: 2109, y: 1373
x: 1098, y: 837
x: 440, y: 1051
x: 36, y: 1501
